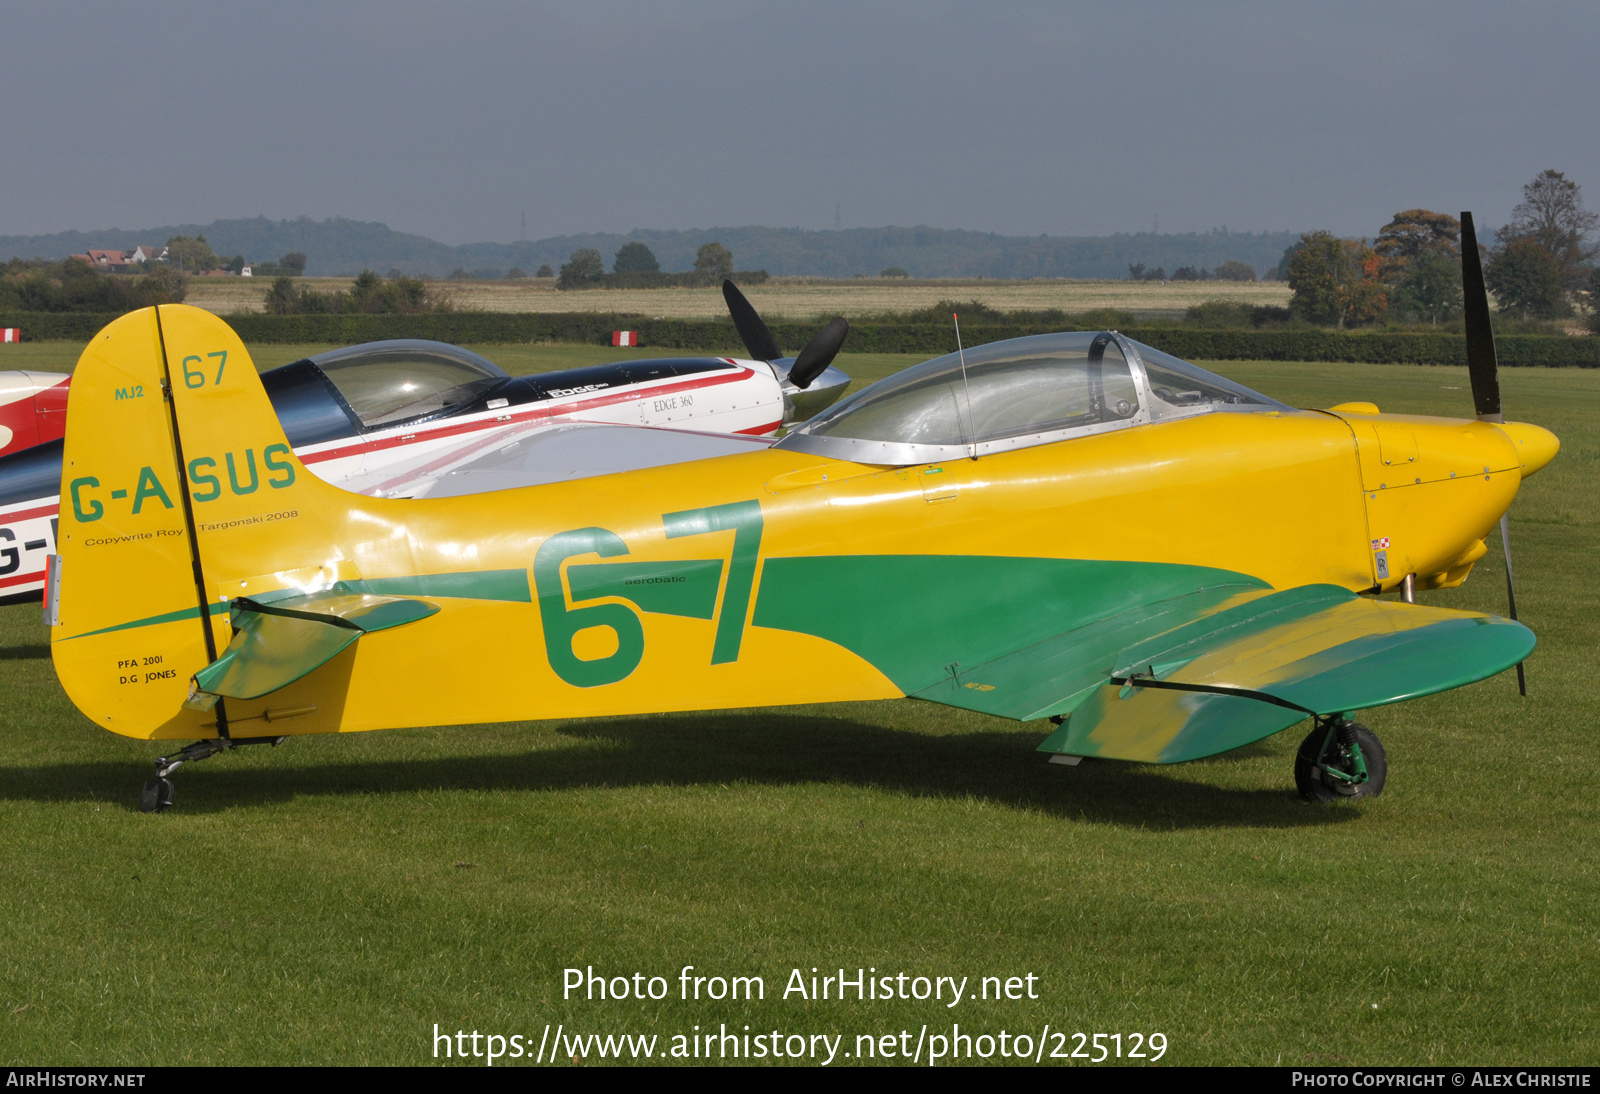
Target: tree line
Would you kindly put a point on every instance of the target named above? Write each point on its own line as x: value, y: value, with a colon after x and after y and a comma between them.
x: 634, y: 266
x: 1231, y: 270
x: 193, y: 254
x: 1540, y: 267
x: 369, y: 294
x: 72, y: 285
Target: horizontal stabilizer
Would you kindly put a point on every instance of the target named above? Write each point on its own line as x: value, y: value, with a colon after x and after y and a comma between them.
x: 1251, y: 669
x: 280, y: 638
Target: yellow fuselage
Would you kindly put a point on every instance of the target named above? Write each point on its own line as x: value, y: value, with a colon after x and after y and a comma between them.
x: 715, y: 583
x: 1289, y: 498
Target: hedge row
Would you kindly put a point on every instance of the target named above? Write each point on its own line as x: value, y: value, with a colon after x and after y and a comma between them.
x: 656, y: 279
x: 1513, y: 350
x: 1552, y: 351
x: 719, y: 336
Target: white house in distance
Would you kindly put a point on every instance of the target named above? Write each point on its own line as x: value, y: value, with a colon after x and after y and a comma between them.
x: 119, y: 261
x: 123, y: 261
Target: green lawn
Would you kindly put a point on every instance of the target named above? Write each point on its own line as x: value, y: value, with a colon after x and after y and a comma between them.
x: 330, y: 900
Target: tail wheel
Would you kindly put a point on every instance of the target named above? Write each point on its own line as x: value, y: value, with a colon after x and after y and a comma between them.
x: 156, y: 795
x: 1340, y: 760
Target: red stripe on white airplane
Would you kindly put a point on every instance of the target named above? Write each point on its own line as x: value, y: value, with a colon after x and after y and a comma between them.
x: 21, y: 579
x: 525, y: 416
x: 29, y: 514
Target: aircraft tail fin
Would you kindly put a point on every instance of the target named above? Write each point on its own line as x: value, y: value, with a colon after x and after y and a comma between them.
x: 179, y: 493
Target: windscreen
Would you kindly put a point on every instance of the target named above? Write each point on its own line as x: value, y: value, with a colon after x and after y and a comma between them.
x: 1177, y: 385
x: 387, y: 382
x: 1020, y: 386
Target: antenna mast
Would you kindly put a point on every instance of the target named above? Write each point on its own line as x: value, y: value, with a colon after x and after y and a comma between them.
x: 965, y: 387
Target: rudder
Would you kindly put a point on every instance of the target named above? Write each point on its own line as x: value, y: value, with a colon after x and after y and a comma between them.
x: 179, y: 489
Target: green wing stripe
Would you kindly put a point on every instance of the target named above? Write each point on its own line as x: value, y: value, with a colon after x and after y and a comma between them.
x: 150, y: 621
x: 1365, y: 653
x: 1253, y: 615
x: 509, y: 585
x: 921, y: 619
x: 1155, y: 725
x: 1315, y: 652
x: 1054, y: 676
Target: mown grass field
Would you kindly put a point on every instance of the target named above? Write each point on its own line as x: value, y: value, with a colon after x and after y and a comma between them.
x: 330, y: 900
x: 789, y: 298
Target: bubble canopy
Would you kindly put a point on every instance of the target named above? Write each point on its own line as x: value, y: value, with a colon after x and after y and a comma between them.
x: 393, y: 381
x: 1015, y: 394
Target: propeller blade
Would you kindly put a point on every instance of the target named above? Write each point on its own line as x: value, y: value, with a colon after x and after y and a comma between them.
x: 1483, y: 369
x: 819, y: 353
x: 1482, y: 365
x: 1511, y: 591
x: 753, y: 332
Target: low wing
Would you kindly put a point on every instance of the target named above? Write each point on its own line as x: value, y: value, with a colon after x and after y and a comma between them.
x: 532, y: 453
x: 1205, y: 673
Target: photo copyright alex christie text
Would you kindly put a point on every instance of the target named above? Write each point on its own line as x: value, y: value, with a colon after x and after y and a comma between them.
x: 856, y: 985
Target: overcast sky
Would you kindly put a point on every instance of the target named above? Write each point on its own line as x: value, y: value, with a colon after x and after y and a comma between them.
x: 452, y: 120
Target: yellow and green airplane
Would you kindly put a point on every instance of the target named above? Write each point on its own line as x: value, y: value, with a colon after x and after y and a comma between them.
x: 1074, y: 526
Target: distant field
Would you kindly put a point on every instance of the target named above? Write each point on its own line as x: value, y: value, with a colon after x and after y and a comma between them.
x: 792, y: 298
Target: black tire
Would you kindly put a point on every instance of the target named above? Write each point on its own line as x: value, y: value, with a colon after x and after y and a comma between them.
x: 1320, y: 747
x: 156, y: 795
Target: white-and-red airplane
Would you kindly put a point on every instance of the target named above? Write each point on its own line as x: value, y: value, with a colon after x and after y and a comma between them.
x: 411, y: 418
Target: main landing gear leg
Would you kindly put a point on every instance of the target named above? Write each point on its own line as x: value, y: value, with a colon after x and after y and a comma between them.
x: 157, y: 792
x: 1340, y: 759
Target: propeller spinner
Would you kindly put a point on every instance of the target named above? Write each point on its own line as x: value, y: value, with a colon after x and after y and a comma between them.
x: 819, y: 353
